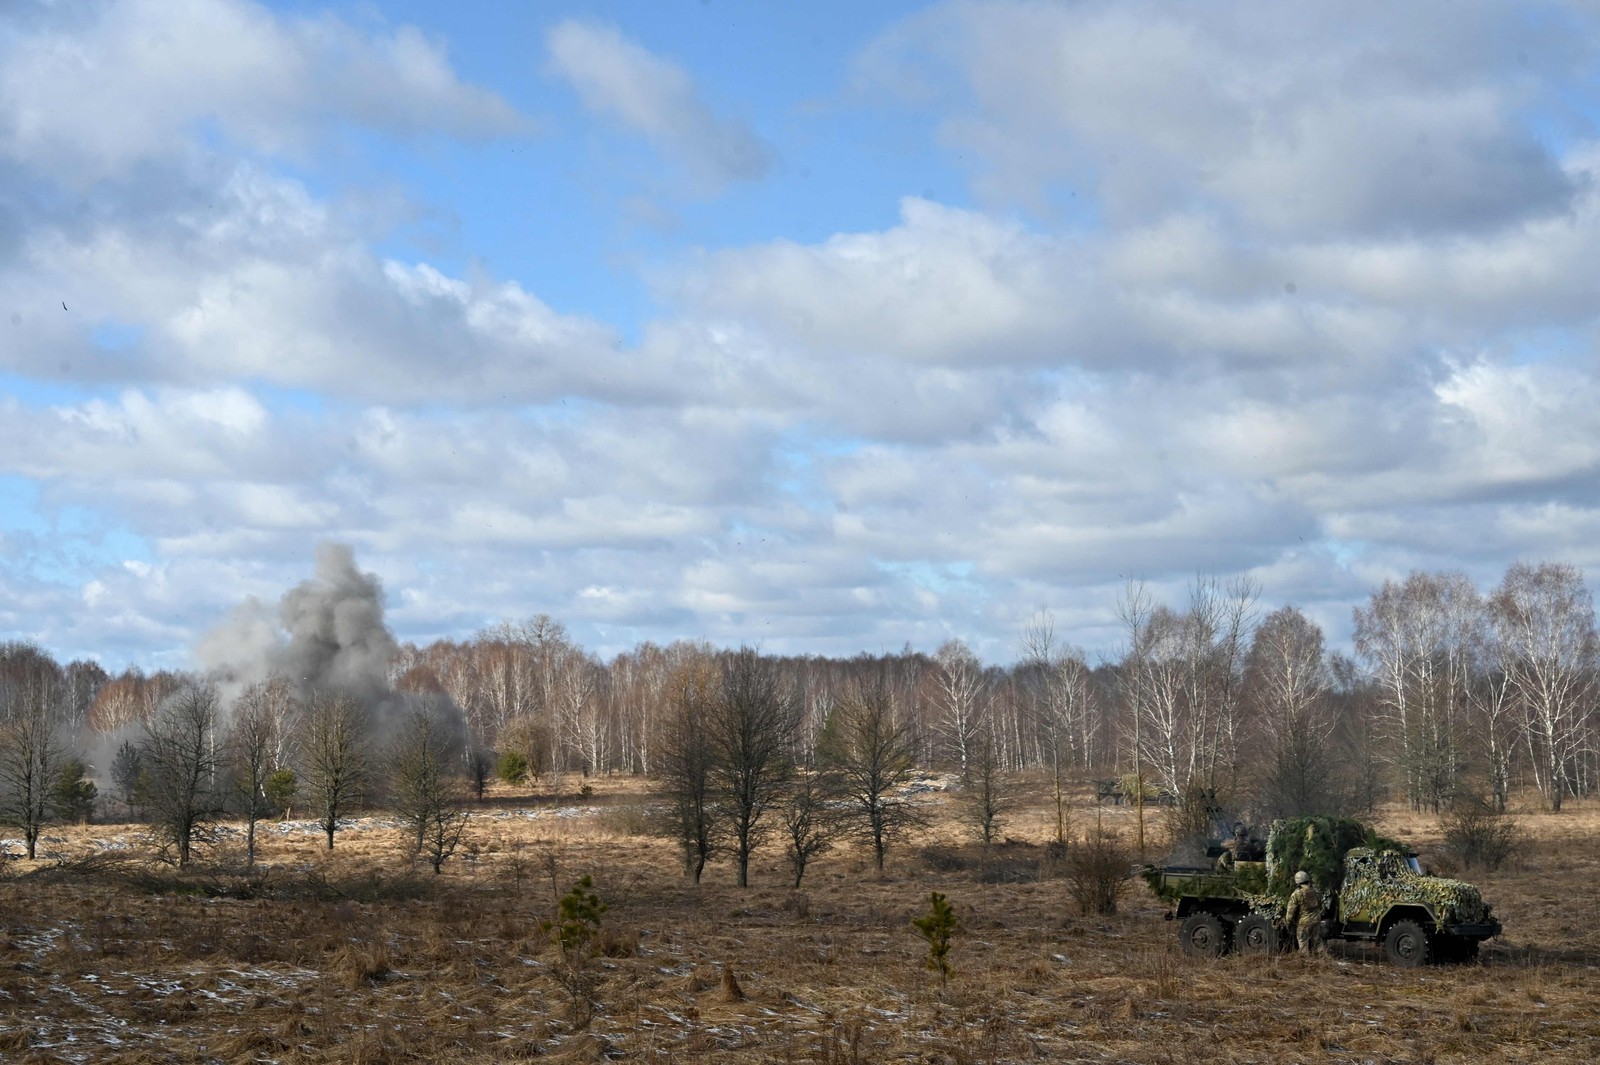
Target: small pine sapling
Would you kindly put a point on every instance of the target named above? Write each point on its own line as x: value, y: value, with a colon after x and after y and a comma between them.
x: 574, y: 930
x: 513, y: 767
x: 938, y: 926
x: 280, y: 788
x: 127, y: 774
x: 579, y: 918
x: 73, y: 794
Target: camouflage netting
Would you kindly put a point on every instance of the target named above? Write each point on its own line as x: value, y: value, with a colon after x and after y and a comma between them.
x: 1251, y: 877
x: 1451, y: 901
x: 1317, y: 845
x: 1269, y: 905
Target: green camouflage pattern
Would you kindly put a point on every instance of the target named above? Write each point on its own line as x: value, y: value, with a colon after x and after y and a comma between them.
x: 1305, y: 905
x: 1267, y: 905
x: 1317, y: 845
x: 1250, y: 878
x: 1376, y: 881
x: 1366, y: 873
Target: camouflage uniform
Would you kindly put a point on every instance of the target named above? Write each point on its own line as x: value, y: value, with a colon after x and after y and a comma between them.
x: 1304, y: 916
x: 1234, y: 850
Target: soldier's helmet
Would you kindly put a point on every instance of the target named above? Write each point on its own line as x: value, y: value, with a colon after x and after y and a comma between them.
x: 1302, y: 877
x: 1239, y: 830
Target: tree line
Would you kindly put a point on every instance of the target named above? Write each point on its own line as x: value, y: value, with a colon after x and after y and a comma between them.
x: 1209, y: 703
x: 197, y: 759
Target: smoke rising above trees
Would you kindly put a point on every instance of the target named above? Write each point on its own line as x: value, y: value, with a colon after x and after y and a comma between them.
x: 1453, y: 693
x: 327, y: 633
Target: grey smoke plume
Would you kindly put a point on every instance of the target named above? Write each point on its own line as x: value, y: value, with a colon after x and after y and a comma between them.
x: 328, y: 634
x: 337, y: 638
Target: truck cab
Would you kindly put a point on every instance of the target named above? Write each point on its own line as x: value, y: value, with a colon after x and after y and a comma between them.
x: 1384, y: 895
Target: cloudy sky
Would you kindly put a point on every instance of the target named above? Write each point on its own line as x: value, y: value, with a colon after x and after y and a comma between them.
x: 830, y: 327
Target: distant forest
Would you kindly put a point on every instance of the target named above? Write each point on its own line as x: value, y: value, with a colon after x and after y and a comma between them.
x: 1452, y: 693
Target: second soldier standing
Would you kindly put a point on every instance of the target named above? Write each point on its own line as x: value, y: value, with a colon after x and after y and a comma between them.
x: 1304, y: 914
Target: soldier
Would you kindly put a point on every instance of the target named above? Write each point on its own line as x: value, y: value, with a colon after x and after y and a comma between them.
x: 1304, y: 914
x: 1236, y: 849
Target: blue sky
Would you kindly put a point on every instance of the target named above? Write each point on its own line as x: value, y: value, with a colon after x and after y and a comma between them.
x: 832, y: 327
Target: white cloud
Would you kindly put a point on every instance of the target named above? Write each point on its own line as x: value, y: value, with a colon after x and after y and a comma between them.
x: 1521, y: 426
x: 263, y: 284
x: 146, y: 75
x: 945, y: 286
x: 654, y: 97
x: 965, y: 290
x: 171, y: 435
x: 1309, y: 119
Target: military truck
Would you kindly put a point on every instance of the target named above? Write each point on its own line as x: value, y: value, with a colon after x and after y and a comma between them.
x: 1372, y: 889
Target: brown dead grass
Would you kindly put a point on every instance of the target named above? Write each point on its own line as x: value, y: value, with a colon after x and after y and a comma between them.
x: 353, y: 957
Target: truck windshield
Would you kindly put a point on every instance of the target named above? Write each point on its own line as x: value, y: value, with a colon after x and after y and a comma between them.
x: 1413, y: 865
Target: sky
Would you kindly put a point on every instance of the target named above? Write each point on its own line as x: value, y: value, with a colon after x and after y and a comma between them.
x: 826, y: 328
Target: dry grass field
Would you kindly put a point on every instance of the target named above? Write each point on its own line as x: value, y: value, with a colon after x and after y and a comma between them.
x: 354, y: 957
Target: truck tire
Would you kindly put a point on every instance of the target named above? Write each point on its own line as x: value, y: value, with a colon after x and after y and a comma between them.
x: 1202, y: 935
x: 1406, y: 945
x: 1256, y: 936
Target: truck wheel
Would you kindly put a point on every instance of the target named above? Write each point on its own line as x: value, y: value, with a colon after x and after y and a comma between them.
x: 1202, y: 936
x: 1406, y: 945
x: 1256, y: 936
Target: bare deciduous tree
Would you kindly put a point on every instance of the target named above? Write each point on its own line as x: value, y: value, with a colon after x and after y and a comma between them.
x: 1544, y: 616
x: 1418, y: 638
x: 581, y: 710
x: 1223, y: 617
x: 1181, y: 673
x: 810, y: 819
x: 130, y: 699
x: 1287, y: 679
x: 1066, y: 710
x: 873, y: 744
x: 753, y: 722
x: 685, y: 760
x: 1494, y: 710
x: 1135, y: 608
x: 252, y: 749
x: 639, y: 682
x: 181, y: 794
x: 334, y: 757
x: 425, y: 795
x: 81, y: 681
x: 986, y: 797
x: 506, y: 675
x: 31, y: 752
x: 958, y: 695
